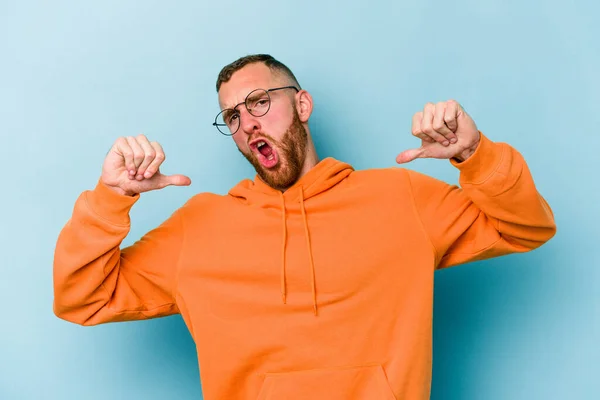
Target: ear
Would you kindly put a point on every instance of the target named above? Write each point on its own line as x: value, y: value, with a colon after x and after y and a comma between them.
x: 304, y: 105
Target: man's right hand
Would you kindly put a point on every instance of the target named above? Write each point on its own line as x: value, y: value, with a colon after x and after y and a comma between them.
x: 132, y: 166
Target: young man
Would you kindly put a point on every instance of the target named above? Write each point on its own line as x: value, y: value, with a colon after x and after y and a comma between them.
x: 312, y: 281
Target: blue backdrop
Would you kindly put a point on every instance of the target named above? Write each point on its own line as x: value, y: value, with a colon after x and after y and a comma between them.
x: 75, y: 76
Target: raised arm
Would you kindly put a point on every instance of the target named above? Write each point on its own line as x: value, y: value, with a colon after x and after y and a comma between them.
x: 94, y: 280
x: 496, y: 210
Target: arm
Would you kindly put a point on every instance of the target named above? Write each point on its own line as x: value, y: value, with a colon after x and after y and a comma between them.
x: 94, y: 280
x: 97, y: 282
x: 497, y: 210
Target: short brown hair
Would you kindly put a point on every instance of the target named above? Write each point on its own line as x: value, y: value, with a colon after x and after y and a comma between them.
x: 269, y: 61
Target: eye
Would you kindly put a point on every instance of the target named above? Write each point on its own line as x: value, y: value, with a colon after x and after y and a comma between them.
x: 259, y: 99
x: 232, y: 118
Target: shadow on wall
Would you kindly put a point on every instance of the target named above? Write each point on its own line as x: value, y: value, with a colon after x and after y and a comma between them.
x: 168, y: 343
x: 482, y: 311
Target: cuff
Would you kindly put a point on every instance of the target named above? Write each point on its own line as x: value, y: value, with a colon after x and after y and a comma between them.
x: 483, y: 162
x: 110, y: 205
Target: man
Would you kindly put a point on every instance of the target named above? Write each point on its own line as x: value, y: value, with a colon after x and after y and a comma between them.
x: 312, y: 281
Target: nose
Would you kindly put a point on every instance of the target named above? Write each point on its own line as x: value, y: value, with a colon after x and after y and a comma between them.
x: 249, y: 123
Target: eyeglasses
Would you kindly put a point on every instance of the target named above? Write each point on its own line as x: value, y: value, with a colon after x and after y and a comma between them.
x: 258, y: 103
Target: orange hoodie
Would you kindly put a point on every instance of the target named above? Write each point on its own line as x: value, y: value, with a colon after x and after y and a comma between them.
x: 322, y: 292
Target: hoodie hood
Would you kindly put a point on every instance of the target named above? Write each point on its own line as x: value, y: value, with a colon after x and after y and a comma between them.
x: 321, y: 178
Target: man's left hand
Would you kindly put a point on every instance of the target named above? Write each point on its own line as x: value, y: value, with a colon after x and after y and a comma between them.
x: 446, y: 131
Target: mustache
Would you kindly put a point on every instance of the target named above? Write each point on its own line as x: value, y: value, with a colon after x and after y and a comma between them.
x: 262, y: 135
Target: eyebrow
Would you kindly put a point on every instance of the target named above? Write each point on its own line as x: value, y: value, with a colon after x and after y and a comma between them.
x: 234, y: 107
x: 228, y: 112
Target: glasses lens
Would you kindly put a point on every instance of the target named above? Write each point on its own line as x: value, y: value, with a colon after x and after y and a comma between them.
x: 228, y: 122
x: 258, y: 102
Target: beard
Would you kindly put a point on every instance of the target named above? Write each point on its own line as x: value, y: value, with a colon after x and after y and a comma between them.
x: 291, y: 150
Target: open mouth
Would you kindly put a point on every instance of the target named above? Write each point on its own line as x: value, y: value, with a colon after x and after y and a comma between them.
x: 264, y: 148
x: 265, y: 153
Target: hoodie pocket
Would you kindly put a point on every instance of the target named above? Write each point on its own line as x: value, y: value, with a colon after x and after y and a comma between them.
x: 352, y: 383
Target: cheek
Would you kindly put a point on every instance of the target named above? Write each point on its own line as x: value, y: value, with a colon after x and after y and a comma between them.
x: 277, y: 124
x: 240, y: 142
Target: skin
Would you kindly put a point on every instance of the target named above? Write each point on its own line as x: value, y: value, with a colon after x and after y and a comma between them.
x: 446, y: 132
x: 132, y: 165
x: 287, y: 119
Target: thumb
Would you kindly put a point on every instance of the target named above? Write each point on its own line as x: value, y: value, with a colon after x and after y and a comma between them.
x: 174, y: 180
x: 409, y: 155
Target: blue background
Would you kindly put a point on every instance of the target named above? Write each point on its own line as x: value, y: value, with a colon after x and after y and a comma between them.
x: 75, y: 76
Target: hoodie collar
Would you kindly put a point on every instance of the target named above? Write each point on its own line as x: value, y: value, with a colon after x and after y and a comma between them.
x: 322, y: 177
x: 325, y: 175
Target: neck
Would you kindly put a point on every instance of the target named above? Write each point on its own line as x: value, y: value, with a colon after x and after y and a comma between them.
x: 312, y: 158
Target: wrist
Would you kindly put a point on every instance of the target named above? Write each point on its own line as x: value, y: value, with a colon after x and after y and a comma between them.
x: 466, y: 153
x: 119, y: 190
x: 110, y: 203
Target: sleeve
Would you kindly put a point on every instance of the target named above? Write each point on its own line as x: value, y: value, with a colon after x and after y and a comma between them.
x: 95, y: 281
x: 497, y: 209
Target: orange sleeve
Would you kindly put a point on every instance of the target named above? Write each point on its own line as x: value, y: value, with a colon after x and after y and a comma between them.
x: 497, y: 209
x: 97, y: 282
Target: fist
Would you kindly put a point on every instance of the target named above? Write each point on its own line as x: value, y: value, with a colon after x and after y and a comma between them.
x: 446, y: 131
x: 132, y: 166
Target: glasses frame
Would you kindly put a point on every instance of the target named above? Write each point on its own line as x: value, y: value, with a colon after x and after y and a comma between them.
x: 217, y: 125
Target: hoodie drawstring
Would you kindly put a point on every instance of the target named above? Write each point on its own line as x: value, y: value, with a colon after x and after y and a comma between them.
x: 283, y: 282
x: 310, y: 254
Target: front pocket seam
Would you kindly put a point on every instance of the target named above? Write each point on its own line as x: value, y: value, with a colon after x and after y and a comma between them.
x: 272, y: 380
x: 342, y: 368
x: 385, y: 382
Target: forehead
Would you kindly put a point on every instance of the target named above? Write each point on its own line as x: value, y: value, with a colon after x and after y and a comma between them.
x: 252, y: 76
